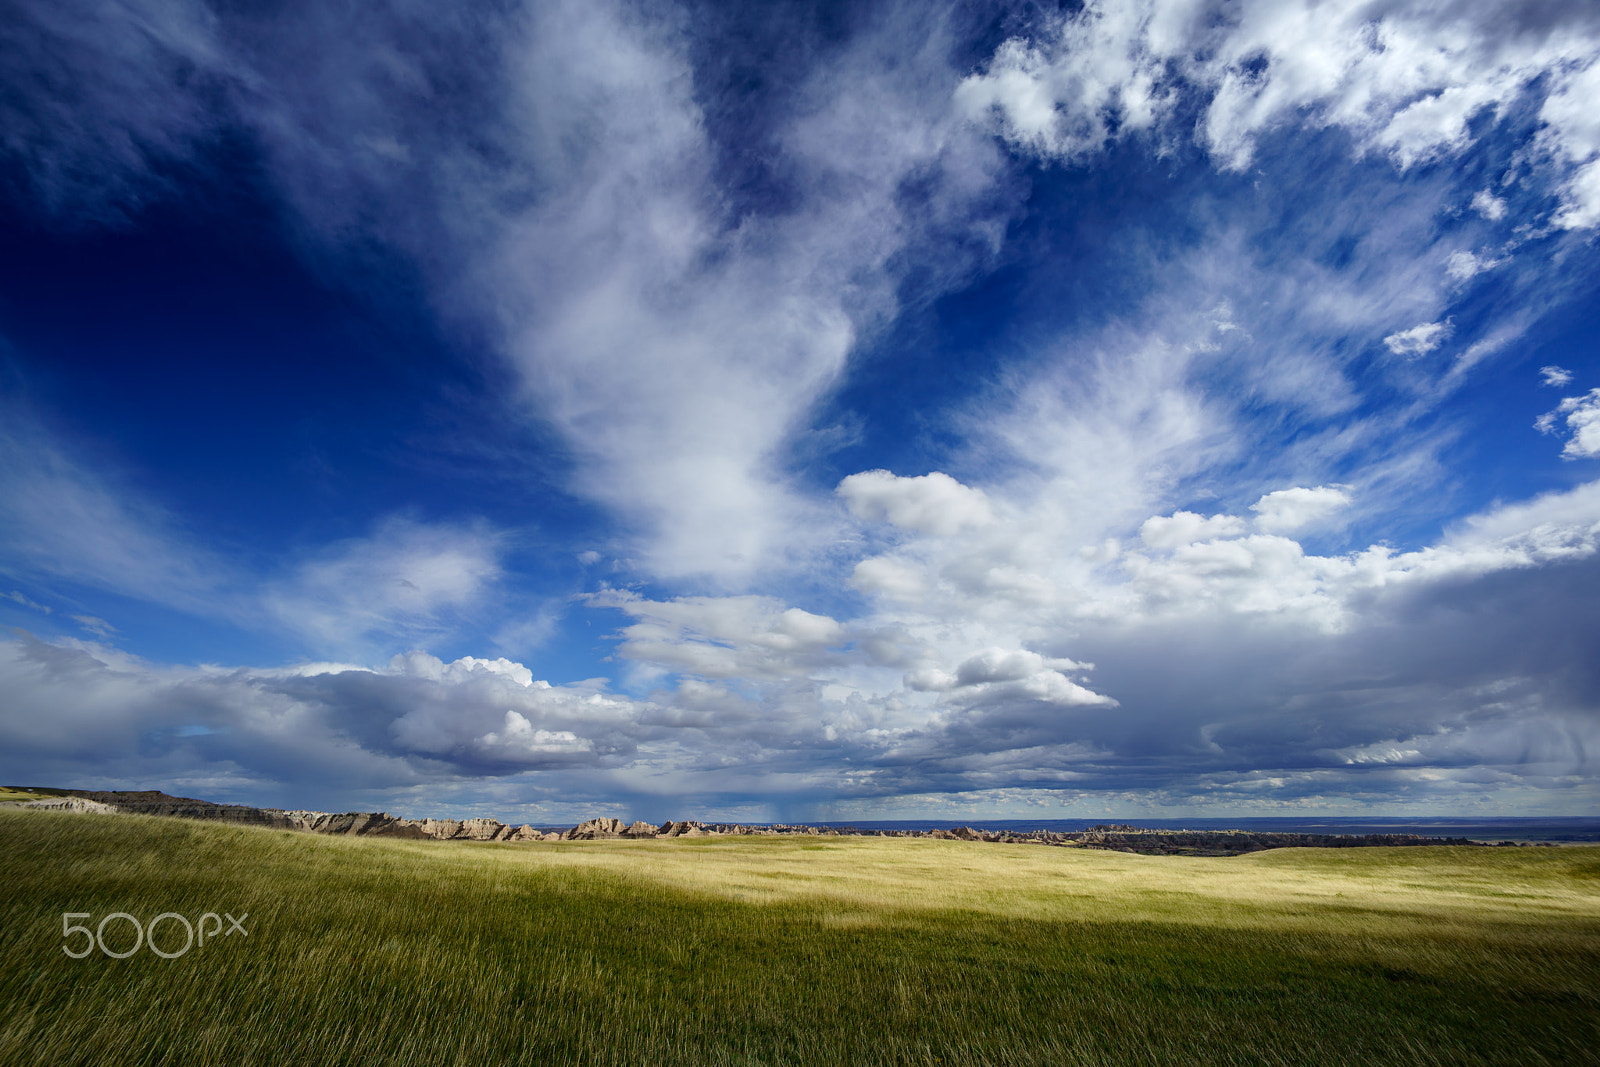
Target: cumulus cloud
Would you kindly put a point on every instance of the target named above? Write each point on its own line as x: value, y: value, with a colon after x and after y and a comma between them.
x: 725, y: 637
x: 1556, y: 376
x: 1186, y: 527
x: 77, y: 709
x: 1488, y: 205
x: 931, y: 503
x: 1260, y: 574
x: 886, y: 576
x: 1064, y: 99
x: 1209, y: 689
x: 519, y: 736
x: 1582, y: 208
x: 1574, y: 134
x: 1255, y: 640
x: 1463, y: 265
x: 1582, y: 417
x: 460, y: 718
x: 1288, y: 510
x: 996, y: 673
x: 1419, y: 340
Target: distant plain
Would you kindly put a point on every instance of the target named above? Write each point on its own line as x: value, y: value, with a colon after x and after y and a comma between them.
x: 790, y: 950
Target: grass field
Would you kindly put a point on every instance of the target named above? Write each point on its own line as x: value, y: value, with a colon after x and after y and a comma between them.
x: 9, y: 795
x: 789, y: 950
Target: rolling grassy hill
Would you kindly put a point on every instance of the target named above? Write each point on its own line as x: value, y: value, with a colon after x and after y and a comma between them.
x: 787, y: 950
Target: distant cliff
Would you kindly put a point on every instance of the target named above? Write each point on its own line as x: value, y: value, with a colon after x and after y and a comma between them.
x: 360, y: 823
x: 1120, y: 838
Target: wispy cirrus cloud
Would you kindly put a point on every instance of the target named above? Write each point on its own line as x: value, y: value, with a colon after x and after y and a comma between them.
x: 66, y: 520
x: 408, y: 581
x: 553, y: 171
x: 63, y: 517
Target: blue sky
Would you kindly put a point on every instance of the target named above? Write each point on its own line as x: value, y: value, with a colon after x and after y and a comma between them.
x: 803, y: 411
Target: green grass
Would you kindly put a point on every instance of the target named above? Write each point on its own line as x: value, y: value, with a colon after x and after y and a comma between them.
x: 10, y: 794
x: 778, y: 950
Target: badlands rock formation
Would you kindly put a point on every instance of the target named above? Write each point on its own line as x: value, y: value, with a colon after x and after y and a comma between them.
x: 1120, y: 838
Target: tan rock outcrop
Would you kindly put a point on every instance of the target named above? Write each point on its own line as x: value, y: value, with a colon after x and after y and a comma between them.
x: 77, y: 804
x: 595, y: 829
x: 480, y: 829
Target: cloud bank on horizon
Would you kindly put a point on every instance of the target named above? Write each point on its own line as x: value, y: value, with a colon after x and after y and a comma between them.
x: 1164, y: 406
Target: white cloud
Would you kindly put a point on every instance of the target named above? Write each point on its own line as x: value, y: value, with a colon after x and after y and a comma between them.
x: 1273, y: 574
x: 1582, y: 417
x: 677, y: 340
x: 1063, y: 103
x: 886, y: 576
x: 1488, y: 205
x: 548, y: 726
x: 998, y: 675
x: 326, y: 729
x: 1548, y: 528
x: 1419, y: 340
x: 1575, y: 135
x: 467, y: 668
x: 1001, y: 665
x: 520, y: 736
x: 1556, y: 376
x: 1289, y: 510
x: 16, y: 595
x: 407, y: 581
x: 750, y: 637
x: 62, y: 517
x: 1582, y: 208
x: 991, y: 665
x: 807, y: 710
x: 1186, y: 527
x: 580, y: 217
x: 95, y: 625
x: 1256, y: 575
x: 553, y: 172
x: 1402, y: 81
x: 933, y: 503
x: 1463, y: 265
